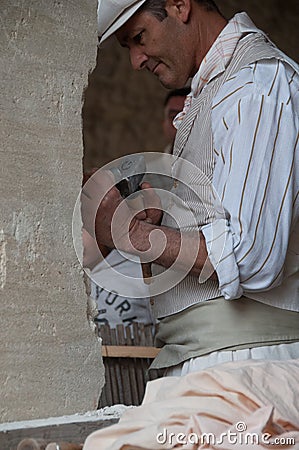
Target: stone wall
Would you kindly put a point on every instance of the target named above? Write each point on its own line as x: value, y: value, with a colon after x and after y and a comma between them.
x: 123, y: 109
x: 50, y: 359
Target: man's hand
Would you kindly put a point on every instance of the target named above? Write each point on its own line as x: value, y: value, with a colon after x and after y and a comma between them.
x: 116, y: 220
x: 93, y: 192
x: 106, y: 215
x: 152, y: 204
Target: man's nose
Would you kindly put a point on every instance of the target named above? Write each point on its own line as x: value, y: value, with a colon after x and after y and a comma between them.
x: 138, y: 58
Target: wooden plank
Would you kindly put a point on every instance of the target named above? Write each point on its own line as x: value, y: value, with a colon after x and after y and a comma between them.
x: 108, y: 375
x: 104, y: 400
x: 132, y: 373
x: 103, y: 333
x: 148, y: 335
x: 127, y: 351
x: 142, y: 341
x: 117, y: 388
x: 145, y: 363
x: 148, y: 330
x: 125, y: 378
x: 106, y: 396
x: 138, y: 366
x: 127, y: 355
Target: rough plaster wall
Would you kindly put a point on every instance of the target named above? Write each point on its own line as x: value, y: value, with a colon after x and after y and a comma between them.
x: 50, y: 362
x: 123, y: 109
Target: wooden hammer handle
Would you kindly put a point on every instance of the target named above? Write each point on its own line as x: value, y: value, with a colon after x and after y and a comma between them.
x: 147, y: 272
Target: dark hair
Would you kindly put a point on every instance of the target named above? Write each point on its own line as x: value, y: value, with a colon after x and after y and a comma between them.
x: 157, y: 7
x: 183, y: 92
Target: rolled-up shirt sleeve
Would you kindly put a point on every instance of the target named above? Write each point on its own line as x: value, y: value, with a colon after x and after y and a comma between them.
x: 255, y: 132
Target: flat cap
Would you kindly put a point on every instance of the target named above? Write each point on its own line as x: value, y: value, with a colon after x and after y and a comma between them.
x: 112, y: 14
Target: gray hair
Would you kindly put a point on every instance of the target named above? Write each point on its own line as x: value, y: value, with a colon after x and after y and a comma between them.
x: 157, y: 7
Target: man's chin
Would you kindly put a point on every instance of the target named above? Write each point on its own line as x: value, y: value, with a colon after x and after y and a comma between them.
x: 171, y: 84
x: 168, y: 78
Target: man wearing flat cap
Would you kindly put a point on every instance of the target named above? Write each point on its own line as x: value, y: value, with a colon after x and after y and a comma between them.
x: 239, y: 129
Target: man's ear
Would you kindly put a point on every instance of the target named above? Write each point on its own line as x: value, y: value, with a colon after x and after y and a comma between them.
x: 179, y: 8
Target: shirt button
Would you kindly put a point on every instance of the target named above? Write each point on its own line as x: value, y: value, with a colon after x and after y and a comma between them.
x: 152, y: 302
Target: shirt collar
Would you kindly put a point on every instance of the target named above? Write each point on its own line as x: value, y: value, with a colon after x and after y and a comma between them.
x: 218, y: 57
x: 221, y: 52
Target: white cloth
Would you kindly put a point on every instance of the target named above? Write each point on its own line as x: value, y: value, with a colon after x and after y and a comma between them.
x: 255, y: 132
x: 280, y: 352
x: 241, y: 405
x: 113, y: 307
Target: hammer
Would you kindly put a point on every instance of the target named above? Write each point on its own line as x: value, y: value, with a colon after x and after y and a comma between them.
x: 128, y: 176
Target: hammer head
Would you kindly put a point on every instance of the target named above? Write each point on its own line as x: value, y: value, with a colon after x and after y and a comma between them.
x: 129, y: 174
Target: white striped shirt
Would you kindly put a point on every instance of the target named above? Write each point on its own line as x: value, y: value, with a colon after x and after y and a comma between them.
x: 255, y: 130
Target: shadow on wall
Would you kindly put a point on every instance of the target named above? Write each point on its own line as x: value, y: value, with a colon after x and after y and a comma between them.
x: 122, y: 111
x: 279, y: 19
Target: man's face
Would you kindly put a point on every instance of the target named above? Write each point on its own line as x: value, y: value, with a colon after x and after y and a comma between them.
x: 161, y: 47
x: 174, y: 105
